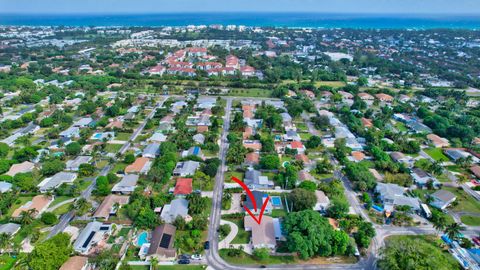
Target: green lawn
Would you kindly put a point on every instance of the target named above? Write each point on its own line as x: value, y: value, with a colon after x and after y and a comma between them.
x: 305, y: 136
x: 19, y: 202
x: 465, y: 202
x: 229, y: 174
x: 243, y: 237
x: 62, y: 209
x: 120, y: 166
x: 245, y: 258
x: 278, y: 213
x: 471, y: 220
x: 400, y: 126
x: 436, y: 153
x: 6, y: 262
x: 250, y: 92
x: 122, y: 136
x: 113, y: 148
x: 59, y: 199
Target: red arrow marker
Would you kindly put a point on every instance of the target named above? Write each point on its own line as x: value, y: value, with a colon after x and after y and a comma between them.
x: 259, y: 220
x: 249, y: 192
x: 252, y: 198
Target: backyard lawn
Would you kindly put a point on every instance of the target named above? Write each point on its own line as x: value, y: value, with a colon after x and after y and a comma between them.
x: 122, y: 136
x: 464, y: 202
x: 249, y: 92
x: 436, y: 153
x: 19, y: 202
x: 113, y: 148
x: 471, y: 220
x: 229, y: 174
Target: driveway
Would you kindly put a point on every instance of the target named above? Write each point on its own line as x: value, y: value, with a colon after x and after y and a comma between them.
x: 235, y: 207
x: 225, y: 243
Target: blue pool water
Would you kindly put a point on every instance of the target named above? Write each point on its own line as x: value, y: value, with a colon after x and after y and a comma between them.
x: 97, y: 135
x: 142, y: 239
x: 276, y: 201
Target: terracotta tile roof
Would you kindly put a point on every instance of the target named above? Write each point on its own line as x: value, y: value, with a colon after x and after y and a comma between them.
x: 252, y: 158
x: 384, y: 97
x: 74, y: 263
x: 39, y: 203
x: 296, y: 145
x: 247, y: 133
x: 202, y: 129
x: 302, y: 157
x: 183, y: 186
x: 357, y: 155
x: 23, y: 167
x: 137, y: 166
x: 367, y: 122
x: 475, y: 170
x: 103, y: 211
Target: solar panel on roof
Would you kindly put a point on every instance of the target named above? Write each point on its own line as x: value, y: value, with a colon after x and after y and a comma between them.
x: 89, y: 238
x: 165, y: 240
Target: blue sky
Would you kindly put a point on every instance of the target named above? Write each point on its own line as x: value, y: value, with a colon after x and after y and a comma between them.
x: 162, y: 6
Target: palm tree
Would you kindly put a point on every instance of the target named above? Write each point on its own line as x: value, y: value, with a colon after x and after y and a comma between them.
x: 26, y: 217
x: 82, y: 206
x: 453, y: 230
x: 4, y: 239
x: 153, y: 263
x: 440, y: 223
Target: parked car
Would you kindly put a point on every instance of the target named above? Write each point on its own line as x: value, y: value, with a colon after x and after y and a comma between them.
x: 184, y: 257
x: 196, y: 257
x: 206, y: 245
x: 183, y: 261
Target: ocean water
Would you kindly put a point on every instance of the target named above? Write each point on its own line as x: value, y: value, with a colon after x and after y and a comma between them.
x: 293, y: 20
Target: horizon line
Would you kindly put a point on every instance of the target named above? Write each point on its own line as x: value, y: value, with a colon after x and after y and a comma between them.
x: 246, y: 12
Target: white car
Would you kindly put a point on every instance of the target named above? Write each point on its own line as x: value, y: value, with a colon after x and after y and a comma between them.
x: 196, y: 257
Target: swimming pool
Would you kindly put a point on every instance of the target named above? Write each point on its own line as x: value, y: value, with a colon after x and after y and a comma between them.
x: 97, y: 135
x: 142, y: 239
x: 276, y: 201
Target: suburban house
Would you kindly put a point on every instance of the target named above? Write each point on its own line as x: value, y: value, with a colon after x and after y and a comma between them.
x: 199, y: 138
x: 186, y: 168
x: 140, y: 166
x: 92, y: 234
x: 183, y: 187
x: 252, y: 159
x: 263, y: 234
x: 23, y: 167
x: 442, y: 199
x: 127, y: 185
x: 260, y: 198
x: 83, y: 122
x: 291, y: 135
x: 76, y: 263
x: 161, y: 243
x: 475, y: 170
x: 71, y: 132
x: 55, y: 181
x: 151, y: 151
x: 254, y: 179
x: 255, y: 145
x: 5, y: 186
x: 10, y: 228
x: 177, y: 208
x: 438, y: 141
x: 110, y: 205
x: 392, y: 195
x: 456, y: 154
x: 158, y: 137
x: 421, y: 177
x: 297, y: 145
x: 193, y: 151
x: 40, y: 203
x: 74, y: 165
x: 322, y: 201
x: 399, y: 157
